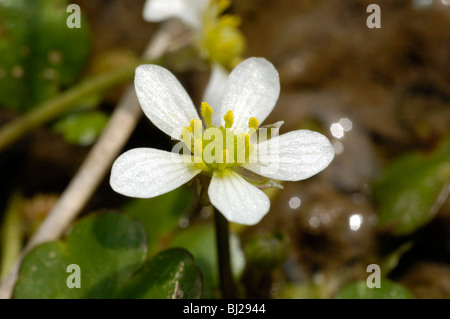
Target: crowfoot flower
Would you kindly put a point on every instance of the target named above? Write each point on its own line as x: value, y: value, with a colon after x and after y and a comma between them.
x: 216, y: 34
x: 220, y: 147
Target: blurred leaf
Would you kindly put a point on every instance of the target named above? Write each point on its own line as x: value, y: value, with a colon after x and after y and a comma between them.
x: 40, y: 54
x: 82, y: 128
x: 171, y: 274
x: 110, y: 250
x: 160, y: 215
x: 304, y: 290
x: 200, y: 240
x: 412, y: 189
x: 265, y: 251
x: 388, y: 290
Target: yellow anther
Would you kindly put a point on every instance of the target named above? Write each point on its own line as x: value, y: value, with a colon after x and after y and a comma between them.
x: 207, y: 113
x: 195, y: 127
x: 229, y: 119
x: 186, y: 136
x: 253, y: 123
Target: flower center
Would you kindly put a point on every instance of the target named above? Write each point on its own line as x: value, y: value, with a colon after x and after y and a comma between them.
x: 218, y: 148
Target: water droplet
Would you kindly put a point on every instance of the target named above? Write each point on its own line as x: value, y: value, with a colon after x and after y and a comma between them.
x: 346, y: 124
x: 205, y: 212
x: 337, y: 130
x: 297, y: 65
x: 49, y: 74
x: 355, y: 221
x: 55, y: 57
x: 338, y: 146
x: 314, y: 221
x: 183, y: 222
x: 17, y: 72
x: 295, y: 202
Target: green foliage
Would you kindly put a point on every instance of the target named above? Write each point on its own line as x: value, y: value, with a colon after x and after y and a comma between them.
x: 110, y: 250
x: 201, y: 242
x: 266, y: 251
x: 170, y: 274
x: 82, y: 128
x: 39, y: 53
x: 388, y: 290
x: 411, y: 190
x: 161, y: 215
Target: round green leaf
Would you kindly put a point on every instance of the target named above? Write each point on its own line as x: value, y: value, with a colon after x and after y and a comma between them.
x: 109, y: 251
x: 161, y: 215
x: 412, y: 189
x: 108, y: 248
x: 171, y: 274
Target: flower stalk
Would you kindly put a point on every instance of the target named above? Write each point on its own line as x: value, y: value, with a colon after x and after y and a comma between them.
x: 227, y: 285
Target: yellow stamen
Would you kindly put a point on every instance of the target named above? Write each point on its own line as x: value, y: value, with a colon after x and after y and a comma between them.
x: 229, y: 119
x: 207, y: 113
x: 218, y: 149
x: 253, y: 123
x: 187, y: 137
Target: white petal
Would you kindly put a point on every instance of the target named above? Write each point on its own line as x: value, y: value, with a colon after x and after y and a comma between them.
x: 148, y: 172
x: 239, y: 201
x: 163, y: 99
x: 251, y: 91
x: 188, y: 11
x: 292, y: 156
x: 214, y: 91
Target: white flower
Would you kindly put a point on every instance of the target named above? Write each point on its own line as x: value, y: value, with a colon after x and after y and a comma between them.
x: 249, y: 96
x: 191, y: 12
x: 216, y: 34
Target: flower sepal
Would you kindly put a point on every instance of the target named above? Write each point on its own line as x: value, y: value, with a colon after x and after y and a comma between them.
x: 259, y: 181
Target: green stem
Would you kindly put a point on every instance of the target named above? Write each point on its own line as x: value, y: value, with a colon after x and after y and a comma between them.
x: 223, y: 253
x: 63, y: 103
x: 11, y: 234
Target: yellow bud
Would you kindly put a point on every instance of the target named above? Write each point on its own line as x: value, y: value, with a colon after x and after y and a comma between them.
x: 224, y: 42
